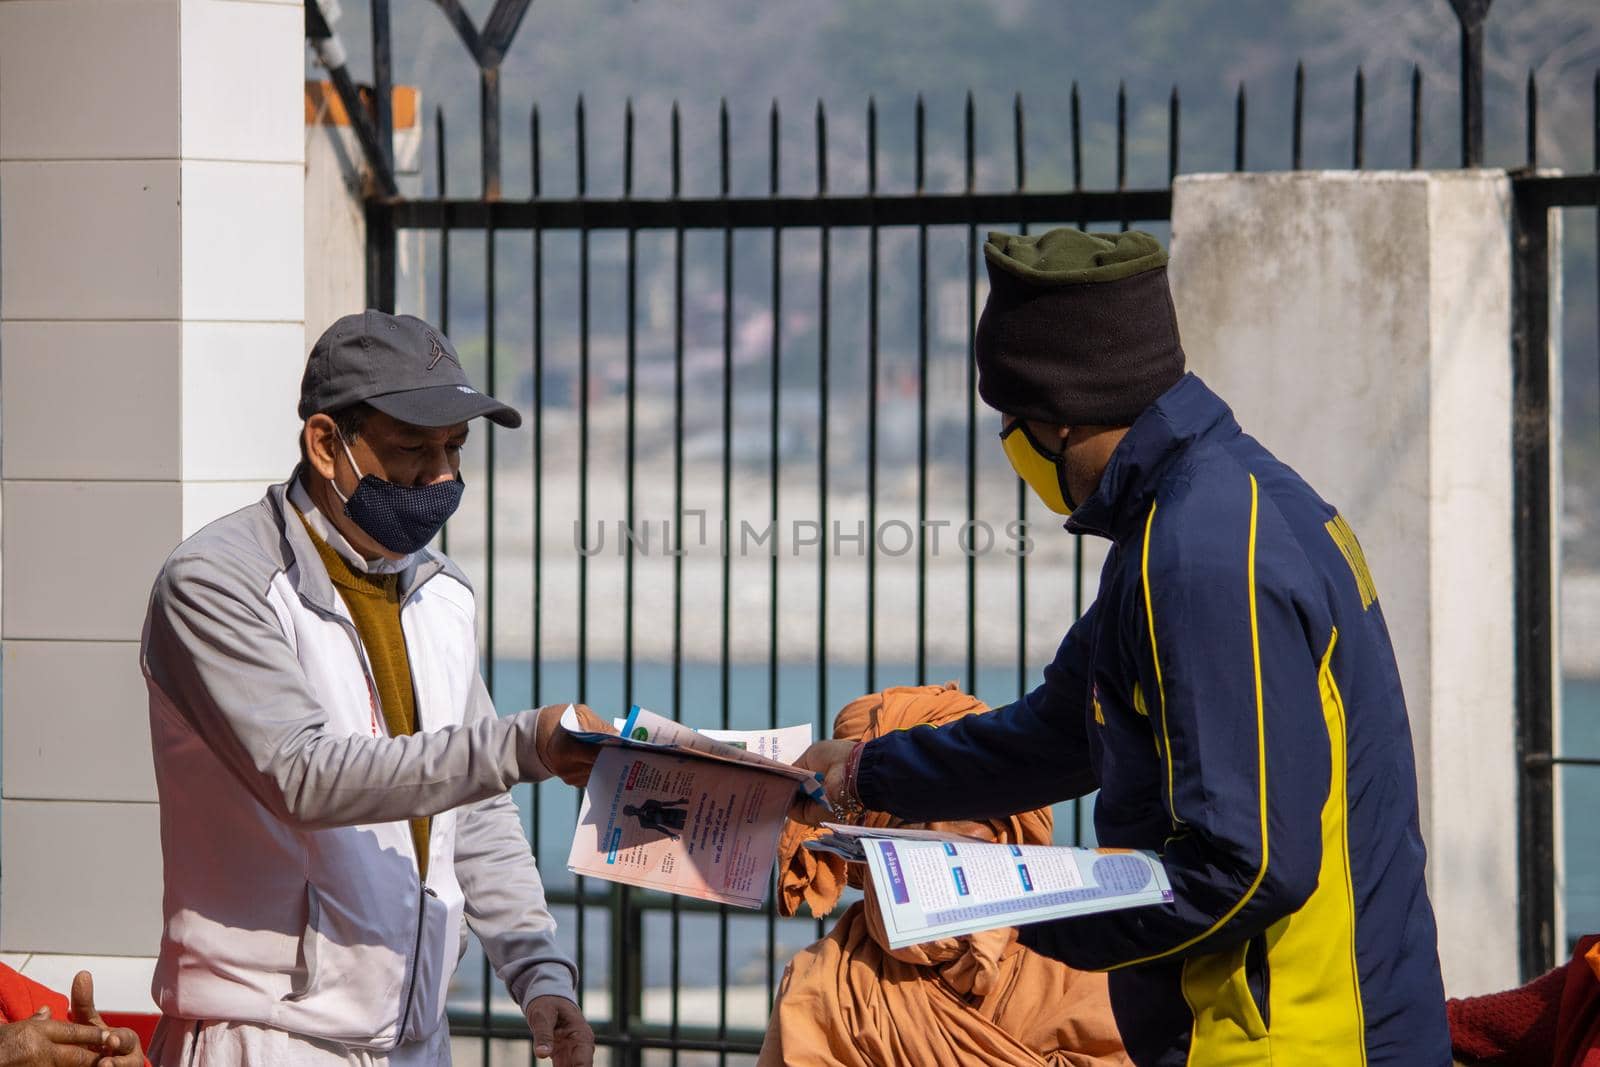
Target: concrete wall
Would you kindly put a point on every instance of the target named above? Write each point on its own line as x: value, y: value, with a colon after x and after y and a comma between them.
x: 1360, y: 324
x: 151, y: 342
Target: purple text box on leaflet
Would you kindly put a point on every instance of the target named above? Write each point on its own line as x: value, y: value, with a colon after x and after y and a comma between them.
x: 897, y: 880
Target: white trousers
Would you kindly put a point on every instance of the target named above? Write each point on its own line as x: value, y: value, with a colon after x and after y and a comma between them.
x: 186, y: 1043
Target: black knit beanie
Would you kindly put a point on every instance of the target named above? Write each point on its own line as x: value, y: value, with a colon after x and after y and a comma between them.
x: 1079, y: 328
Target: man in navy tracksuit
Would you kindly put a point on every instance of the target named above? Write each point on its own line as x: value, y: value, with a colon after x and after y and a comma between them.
x: 1232, y: 693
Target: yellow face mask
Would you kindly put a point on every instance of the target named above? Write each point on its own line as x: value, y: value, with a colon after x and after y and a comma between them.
x: 1044, y: 471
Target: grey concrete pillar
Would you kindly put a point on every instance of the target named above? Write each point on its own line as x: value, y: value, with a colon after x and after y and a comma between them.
x: 1360, y: 325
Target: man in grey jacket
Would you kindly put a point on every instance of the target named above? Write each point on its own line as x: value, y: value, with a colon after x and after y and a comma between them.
x: 333, y: 776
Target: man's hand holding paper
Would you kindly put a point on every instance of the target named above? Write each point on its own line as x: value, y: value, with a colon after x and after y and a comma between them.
x: 568, y: 757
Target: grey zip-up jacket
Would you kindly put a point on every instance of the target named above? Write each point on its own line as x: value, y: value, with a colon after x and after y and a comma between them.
x: 292, y: 897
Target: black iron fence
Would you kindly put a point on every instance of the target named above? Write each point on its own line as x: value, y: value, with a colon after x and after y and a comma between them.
x: 1540, y: 752
x: 787, y: 337
x: 945, y: 443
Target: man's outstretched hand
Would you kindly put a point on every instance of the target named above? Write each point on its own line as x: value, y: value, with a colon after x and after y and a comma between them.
x: 567, y: 758
x: 827, y: 758
x: 560, y: 1032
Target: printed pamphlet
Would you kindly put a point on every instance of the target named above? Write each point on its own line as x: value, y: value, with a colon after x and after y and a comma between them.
x: 932, y: 885
x: 674, y: 809
x: 784, y: 743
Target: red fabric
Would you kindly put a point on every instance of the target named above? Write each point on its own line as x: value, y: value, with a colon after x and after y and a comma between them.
x: 1578, y: 1036
x: 1553, y: 1021
x: 21, y: 996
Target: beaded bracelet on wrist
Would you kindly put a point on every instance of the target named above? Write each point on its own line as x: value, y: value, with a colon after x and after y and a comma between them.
x: 848, y: 807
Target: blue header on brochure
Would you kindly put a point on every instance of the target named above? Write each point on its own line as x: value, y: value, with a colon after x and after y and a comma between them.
x: 633, y: 717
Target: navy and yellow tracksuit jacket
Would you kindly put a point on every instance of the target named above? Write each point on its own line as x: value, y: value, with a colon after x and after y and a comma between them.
x: 1233, y: 695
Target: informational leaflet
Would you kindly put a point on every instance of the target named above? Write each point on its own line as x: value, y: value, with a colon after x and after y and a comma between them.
x: 946, y: 885
x: 784, y: 744
x: 849, y: 841
x: 670, y: 809
x: 649, y: 732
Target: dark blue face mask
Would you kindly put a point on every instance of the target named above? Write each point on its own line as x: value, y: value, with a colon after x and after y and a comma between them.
x: 400, y: 518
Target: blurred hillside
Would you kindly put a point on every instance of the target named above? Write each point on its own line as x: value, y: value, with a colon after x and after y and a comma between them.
x: 841, y: 52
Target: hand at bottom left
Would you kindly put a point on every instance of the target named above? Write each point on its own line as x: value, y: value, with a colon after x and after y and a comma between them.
x: 560, y: 1032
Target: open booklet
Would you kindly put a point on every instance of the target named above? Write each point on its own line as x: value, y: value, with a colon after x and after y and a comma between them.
x: 671, y: 808
x: 931, y: 885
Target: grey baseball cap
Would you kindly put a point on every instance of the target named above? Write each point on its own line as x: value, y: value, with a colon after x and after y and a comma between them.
x: 401, y: 366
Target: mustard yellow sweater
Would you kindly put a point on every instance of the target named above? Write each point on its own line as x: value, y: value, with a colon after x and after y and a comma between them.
x: 374, y: 603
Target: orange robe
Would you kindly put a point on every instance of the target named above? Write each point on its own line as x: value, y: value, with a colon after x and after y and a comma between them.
x: 981, y: 999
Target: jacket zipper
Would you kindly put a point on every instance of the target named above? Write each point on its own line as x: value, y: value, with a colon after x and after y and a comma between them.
x: 366, y: 676
x: 416, y: 959
x: 411, y: 670
x: 427, y: 890
x: 366, y: 666
x: 416, y: 703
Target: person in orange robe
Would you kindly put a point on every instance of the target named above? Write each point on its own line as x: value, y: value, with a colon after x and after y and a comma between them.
x: 980, y: 1000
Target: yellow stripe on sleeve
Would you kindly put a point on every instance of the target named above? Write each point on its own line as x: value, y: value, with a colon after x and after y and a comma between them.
x: 1155, y: 657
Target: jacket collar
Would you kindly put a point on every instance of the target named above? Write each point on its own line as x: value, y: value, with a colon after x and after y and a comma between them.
x: 1184, y: 414
x: 320, y: 526
x: 310, y: 576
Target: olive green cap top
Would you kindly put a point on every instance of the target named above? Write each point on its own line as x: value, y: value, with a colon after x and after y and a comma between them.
x: 1072, y: 257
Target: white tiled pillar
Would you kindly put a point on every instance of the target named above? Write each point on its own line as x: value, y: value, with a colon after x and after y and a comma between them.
x: 151, y: 342
x: 1360, y: 325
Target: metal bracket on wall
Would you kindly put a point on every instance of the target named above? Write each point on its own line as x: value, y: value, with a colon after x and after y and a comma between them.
x: 377, y: 144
